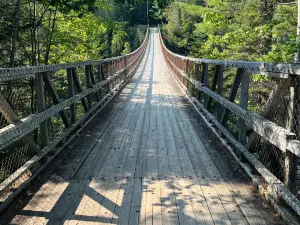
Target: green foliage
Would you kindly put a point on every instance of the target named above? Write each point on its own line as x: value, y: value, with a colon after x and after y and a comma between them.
x: 242, y: 30
x: 118, y: 40
x: 127, y: 48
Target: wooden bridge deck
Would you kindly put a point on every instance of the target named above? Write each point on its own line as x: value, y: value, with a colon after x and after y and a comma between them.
x: 146, y: 159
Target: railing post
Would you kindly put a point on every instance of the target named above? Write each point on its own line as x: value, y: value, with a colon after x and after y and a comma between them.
x: 88, y: 84
x: 100, y: 79
x: 291, y: 160
x: 220, y: 91
x: 244, y: 104
x: 79, y: 89
x: 41, y: 103
x: 93, y: 82
x: 205, y: 81
x: 125, y: 70
x: 71, y: 94
x: 198, y: 77
x: 213, y: 86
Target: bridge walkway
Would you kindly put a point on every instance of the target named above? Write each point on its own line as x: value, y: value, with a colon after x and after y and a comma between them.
x: 148, y: 158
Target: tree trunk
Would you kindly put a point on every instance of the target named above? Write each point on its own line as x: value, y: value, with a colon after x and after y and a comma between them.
x: 48, y: 48
x: 15, y: 33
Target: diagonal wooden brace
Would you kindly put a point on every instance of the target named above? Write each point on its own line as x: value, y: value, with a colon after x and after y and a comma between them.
x: 52, y: 92
x: 11, y: 116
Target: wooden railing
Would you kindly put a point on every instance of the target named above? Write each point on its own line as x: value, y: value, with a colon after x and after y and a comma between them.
x: 103, y: 79
x: 192, y: 75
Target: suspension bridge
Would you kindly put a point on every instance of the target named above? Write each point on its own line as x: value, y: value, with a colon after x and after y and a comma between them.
x: 151, y: 137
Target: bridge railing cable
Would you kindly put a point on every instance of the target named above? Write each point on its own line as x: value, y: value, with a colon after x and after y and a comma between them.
x: 42, y: 108
x: 221, y: 91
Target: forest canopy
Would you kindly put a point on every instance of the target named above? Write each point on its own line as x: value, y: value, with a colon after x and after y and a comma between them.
x: 35, y: 32
x: 257, y: 30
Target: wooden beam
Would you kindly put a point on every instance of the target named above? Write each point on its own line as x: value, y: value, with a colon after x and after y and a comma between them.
x: 100, y: 79
x: 233, y: 92
x: 11, y: 116
x: 88, y: 84
x: 198, y: 78
x: 291, y: 160
x: 213, y: 86
x: 79, y: 89
x: 220, y: 91
x: 41, y: 104
x: 205, y: 81
x: 56, y: 100
x: 271, y: 105
x: 244, y: 105
x: 93, y: 81
x: 71, y: 93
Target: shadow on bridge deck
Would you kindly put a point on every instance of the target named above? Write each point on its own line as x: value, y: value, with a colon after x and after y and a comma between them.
x: 145, y: 159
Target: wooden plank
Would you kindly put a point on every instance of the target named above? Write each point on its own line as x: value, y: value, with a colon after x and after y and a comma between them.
x: 174, y: 163
x: 253, y: 213
x: 179, y: 134
x: 74, y: 212
x: 109, y: 205
x: 152, y: 165
x: 127, y: 159
x: 184, y: 207
x: 116, y: 141
x: 214, y: 202
x: 164, y: 167
x: 201, y: 161
x: 141, y: 163
x: 97, y: 155
x: 40, y: 202
x: 61, y: 207
x: 168, y: 203
x: 156, y: 203
x: 131, y: 161
x: 122, y: 213
x: 231, y: 207
x: 129, y: 90
x: 136, y: 203
x: 200, y: 207
x: 129, y: 144
x: 147, y: 206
